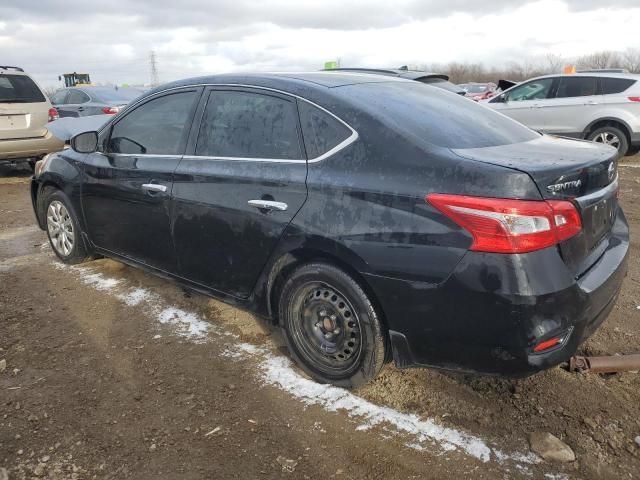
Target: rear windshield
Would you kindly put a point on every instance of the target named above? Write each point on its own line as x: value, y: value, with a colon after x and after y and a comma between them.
x: 121, y: 95
x: 19, y: 89
x: 436, y: 116
x: 473, y: 88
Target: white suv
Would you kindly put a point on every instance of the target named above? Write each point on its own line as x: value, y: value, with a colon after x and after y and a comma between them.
x: 598, y: 106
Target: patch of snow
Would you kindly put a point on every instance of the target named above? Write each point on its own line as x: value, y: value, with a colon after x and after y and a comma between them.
x: 99, y: 281
x: 188, y: 324
x: 279, y: 372
x: 156, y: 337
x: 556, y: 476
x: 135, y: 296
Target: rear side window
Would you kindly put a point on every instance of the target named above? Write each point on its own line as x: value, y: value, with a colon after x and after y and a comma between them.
x: 59, y: 97
x: 321, y: 131
x: 77, y: 96
x: 615, y: 85
x: 19, y: 89
x: 425, y: 114
x: 156, y: 127
x: 577, y: 87
x: 249, y: 125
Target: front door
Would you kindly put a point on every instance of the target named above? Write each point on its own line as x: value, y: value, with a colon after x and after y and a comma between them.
x: 126, y: 190
x: 238, y: 189
x: 526, y: 103
x: 575, y: 102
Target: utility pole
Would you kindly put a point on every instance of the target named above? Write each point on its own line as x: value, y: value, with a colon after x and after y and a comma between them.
x: 153, y: 66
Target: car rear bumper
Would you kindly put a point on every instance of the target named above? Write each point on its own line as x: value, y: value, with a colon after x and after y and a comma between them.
x: 493, y: 309
x: 28, y: 148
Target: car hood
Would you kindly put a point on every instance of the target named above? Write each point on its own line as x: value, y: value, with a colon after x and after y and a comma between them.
x: 67, y: 127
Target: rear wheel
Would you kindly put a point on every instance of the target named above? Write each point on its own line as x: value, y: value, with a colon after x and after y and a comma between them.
x: 611, y: 136
x: 332, y: 329
x: 63, y: 228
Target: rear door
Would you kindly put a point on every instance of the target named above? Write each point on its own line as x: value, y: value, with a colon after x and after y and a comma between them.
x: 527, y: 102
x: 238, y: 188
x: 74, y: 105
x: 126, y: 190
x: 24, y: 110
x: 574, y: 106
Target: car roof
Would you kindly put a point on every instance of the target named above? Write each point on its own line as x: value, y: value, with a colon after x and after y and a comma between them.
x: 633, y: 76
x: 6, y: 69
x: 286, y: 81
x: 398, y: 72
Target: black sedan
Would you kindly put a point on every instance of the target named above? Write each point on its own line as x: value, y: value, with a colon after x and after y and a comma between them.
x: 370, y: 217
x: 88, y: 100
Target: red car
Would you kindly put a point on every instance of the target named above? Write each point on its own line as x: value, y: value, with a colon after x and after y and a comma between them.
x: 479, y: 91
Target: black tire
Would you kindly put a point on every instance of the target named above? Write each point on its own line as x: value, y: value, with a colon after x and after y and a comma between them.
x: 601, y: 133
x: 67, y: 220
x: 316, y: 301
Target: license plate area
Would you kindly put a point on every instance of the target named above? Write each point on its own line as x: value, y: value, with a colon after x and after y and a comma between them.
x: 13, y: 122
x: 598, y: 218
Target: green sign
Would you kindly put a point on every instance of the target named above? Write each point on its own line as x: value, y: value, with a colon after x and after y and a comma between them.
x: 330, y: 65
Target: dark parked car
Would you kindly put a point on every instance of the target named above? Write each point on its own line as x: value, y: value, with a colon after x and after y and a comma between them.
x: 88, y: 100
x: 438, y: 80
x: 371, y: 219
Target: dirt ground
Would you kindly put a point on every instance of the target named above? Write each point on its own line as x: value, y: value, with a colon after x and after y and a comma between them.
x: 112, y: 373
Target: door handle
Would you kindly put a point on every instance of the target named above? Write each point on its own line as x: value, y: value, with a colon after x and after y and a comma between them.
x: 592, y: 102
x: 154, y: 187
x: 268, y: 205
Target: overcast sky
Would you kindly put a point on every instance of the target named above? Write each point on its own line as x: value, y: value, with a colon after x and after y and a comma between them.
x: 111, y: 39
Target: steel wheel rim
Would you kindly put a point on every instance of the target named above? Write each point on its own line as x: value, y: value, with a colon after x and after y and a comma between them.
x: 327, y: 329
x: 608, y: 138
x: 60, y: 228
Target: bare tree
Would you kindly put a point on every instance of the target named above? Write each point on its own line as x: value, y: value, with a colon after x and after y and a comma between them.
x: 631, y: 60
x: 553, y: 63
x: 599, y: 60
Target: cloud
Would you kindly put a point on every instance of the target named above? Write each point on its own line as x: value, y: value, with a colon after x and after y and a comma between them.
x: 112, y: 39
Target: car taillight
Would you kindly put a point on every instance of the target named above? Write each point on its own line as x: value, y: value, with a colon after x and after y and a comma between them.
x: 503, y: 225
x: 110, y: 110
x: 634, y: 99
x: 53, y: 114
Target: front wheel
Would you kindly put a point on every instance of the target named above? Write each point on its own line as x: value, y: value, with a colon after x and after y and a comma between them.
x: 611, y: 136
x: 331, y: 326
x: 63, y: 228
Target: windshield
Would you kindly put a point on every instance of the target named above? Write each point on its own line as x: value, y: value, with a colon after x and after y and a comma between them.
x: 19, y: 89
x: 436, y: 116
x: 113, y: 96
x: 473, y: 88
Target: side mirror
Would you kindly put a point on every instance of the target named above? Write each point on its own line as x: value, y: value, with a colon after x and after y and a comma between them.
x: 85, y: 142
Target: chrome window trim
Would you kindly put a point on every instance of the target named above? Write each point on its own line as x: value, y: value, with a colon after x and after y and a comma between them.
x: 345, y: 143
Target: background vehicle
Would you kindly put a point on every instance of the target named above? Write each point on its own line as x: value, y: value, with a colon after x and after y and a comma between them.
x: 24, y: 113
x: 603, y: 107
x: 322, y: 202
x: 74, y: 79
x: 438, y: 80
x: 89, y: 100
x: 478, y: 91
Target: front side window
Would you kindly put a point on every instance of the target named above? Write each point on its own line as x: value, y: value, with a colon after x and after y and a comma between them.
x: 77, y: 97
x: 534, y: 90
x: 249, y: 125
x: 321, y: 131
x: 156, y: 127
x: 577, y: 87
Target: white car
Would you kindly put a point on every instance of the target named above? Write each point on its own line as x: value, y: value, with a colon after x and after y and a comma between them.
x: 598, y: 106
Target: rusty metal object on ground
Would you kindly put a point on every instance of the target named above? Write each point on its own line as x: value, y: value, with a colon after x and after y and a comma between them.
x: 611, y: 364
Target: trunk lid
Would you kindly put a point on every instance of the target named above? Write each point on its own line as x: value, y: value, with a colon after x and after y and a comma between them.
x: 22, y: 121
x: 582, y: 172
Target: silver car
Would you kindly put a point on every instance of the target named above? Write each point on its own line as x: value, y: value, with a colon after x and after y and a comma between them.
x: 598, y: 106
